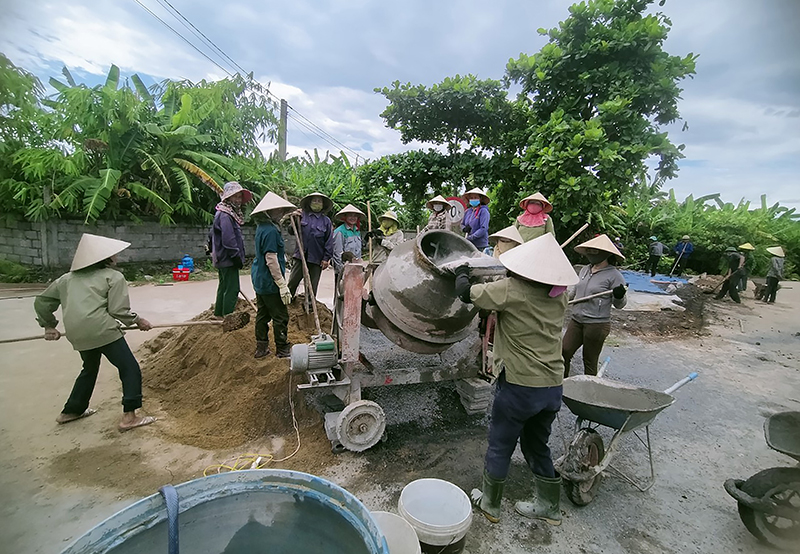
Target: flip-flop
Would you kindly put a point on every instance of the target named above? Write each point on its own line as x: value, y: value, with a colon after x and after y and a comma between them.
x: 87, y: 413
x: 147, y: 420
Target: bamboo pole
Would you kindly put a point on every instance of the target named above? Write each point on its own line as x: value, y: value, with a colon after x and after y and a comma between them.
x: 369, y: 229
x: 575, y: 234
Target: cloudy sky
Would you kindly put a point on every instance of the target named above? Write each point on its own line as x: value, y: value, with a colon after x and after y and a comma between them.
x: 325, y: 57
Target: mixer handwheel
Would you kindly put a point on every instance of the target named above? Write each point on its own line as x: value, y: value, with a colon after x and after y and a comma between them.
x: 361, y: 425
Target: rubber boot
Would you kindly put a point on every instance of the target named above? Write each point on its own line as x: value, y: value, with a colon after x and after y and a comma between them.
x: 547, y: 504
x: 283, y: 351
x: 488, y: 499
x: 262, y: 349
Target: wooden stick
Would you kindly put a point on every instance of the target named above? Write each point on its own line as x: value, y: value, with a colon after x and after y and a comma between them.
x: 306, y: 277
x: 243, y: 295
x: 585, y: 298
x: 128, y: 328
x: 575, y: 234
x: 679, y: 259
x: 369, y: 229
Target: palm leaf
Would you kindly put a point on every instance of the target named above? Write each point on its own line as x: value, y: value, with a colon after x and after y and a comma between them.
x: 96, y: 198
x: 200, y: 174
x: 58, y: 85
x: 183, y: 181
x: 202, y: 158
x: 141, y: 191
x: 150, y: 163
x: 112, y: 80
x: 68, y: 198
x: 144, y: 94
x: 68, y: 76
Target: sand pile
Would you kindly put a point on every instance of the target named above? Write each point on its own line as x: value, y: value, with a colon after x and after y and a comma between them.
x: 215, y: 393
x: 707, y: 283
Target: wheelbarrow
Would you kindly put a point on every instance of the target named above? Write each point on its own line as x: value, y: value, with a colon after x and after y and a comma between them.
x: 769, y: 502
x: 600, y: 402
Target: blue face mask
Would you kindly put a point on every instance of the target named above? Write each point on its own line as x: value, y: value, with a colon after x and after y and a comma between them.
x: 474, y: 202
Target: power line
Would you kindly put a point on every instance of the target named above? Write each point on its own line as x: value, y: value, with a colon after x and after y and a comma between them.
x: 299, y: 122
x: 309, y: 137
x: 342, y: 145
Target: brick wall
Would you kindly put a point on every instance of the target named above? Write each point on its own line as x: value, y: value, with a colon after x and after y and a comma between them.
x: 20, y: 241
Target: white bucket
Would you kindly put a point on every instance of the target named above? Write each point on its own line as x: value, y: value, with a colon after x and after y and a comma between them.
x: 400, y: 536
x: 439, y: 512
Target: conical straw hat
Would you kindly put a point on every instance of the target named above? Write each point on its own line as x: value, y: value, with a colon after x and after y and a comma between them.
x: 390, y: 215
x: 746, y: 246
x: 548, y: 207
x: 776, y: 251
x: 509, y: 233
x: 600, y: 242
x: 350, y: 209
x: 436, y: 199
x: 480, y: 192
x: 93, y: 248
x: 327, y: 203
x: 272, y: 201
x: 540, y: 260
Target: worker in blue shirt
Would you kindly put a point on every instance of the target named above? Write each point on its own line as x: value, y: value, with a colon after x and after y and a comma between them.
x: 682, y: 251
x: 475, y: 222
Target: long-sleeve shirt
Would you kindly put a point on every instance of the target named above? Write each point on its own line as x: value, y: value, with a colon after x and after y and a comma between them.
x: 657, y: 248
x: 776, y: 268
x: 597, y: 310
x: 689, y: 248
x: 268, y: 240
x: 477, y: 219
x: 530, y: 233
x: 227, y: 242
x: 439, y: 220
x: 316, y: 230
x: 93, y: 303
x: 345, y: 240
x: 527, y: 339
x: 386, y: 245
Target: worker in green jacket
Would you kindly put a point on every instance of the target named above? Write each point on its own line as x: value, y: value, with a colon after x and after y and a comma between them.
x: 530, y: 305
x: 94, y: 302
x: 533, y: 222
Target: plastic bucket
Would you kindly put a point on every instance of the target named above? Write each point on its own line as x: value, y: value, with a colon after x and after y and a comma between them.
x: 439, y: 512
x: 243, y: 512
x: 400, y: 536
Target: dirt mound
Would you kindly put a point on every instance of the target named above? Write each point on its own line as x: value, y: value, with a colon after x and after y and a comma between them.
x: 666, y: 324
x: 708, y: 283
x: 215, y: 393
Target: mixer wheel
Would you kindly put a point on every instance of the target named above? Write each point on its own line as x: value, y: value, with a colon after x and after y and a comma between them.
x: 361, y: 425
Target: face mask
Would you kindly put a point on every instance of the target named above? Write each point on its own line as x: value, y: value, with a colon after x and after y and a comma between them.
x: 315, y: 205
x: 505, y: 245
x: 438, y: 207
x: 596, y: 258
x: 533, y: 207
x: 474, y: 202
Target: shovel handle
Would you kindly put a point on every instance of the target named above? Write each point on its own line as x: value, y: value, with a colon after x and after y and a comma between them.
x: 595, y: 295
x: 691, y: 377
x: 126, y: 328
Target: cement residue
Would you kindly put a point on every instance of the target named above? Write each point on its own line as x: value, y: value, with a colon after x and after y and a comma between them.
x: 215, y: 393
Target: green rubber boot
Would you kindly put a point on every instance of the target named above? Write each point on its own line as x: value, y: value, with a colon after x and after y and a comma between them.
x: 488, y: 499
x: 547, y: 504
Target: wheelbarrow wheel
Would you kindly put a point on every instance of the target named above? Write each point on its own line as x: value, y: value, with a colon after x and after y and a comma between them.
x: 585, y: 452
x: 782, y: 486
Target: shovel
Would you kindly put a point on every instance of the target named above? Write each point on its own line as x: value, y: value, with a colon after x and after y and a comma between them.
x: 231, y: 322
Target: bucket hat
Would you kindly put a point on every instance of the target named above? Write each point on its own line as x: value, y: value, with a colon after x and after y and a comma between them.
x: 273, y: 202
x: 509, y: 233
x: 746, y: 246
x: 232, y: 187
x: 731, y: 249
x: 548, y: 207
x: 540, y: 260
x: 94, y: 248
x: 390, y: 215
x: 327, y: 203
x: 480, y: 192
x: 776, y: 251
x: 350, y: 209
x: 600, y: 242
x: 685, y: 237
x: 438, y: 199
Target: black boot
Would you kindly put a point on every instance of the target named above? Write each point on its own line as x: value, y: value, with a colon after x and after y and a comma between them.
x: 284, y: 350
x: 262, y: 349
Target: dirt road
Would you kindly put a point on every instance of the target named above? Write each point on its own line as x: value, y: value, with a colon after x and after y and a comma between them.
x: 60, y: 481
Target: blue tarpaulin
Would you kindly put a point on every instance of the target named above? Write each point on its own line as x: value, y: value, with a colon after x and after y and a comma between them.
x: 641, y: 282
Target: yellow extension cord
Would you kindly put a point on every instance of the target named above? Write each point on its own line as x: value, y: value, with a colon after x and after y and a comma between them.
x: 257, y: 461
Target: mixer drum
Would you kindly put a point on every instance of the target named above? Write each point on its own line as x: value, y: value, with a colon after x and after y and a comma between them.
x: 417, y: 299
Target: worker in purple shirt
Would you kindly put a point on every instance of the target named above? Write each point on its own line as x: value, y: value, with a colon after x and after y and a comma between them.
x: 475, y: 222
x: 316, y: 231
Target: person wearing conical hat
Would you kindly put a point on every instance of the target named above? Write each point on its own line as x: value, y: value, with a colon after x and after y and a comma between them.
x: 268, y: 274
x: 440, y: 214
x: 227, y: 245
x: 533, y: 221
x: 657, y: 250
x: 730, y: 285
x: 682, y: 251
x: 591, y: 319
x: 530, y: 305
x: 94, y: 302
x: 475, y: 223
x: 347, y: 241
x: 775, y: 273
x: 316, y: 230
x: 504, y: 240
x: 744, y: 269
x: 387, y: 236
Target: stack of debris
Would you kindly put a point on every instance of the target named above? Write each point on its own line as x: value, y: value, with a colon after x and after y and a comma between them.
x: 475, y: 393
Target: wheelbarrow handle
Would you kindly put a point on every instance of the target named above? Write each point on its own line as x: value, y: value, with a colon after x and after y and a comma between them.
x: 679, y: 384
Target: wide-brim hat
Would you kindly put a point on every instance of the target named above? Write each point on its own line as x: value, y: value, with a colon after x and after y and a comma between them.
x: 275, y: 204
x: 480, y: 192
x: 232, y: 188
x: 390, y: 215
x: 685, y: 237
x: 548, y: 207
x: 94, y: 248
x: 439, y: 199
x: 730, y: 249
x: 350, y: 209
x: 509, y: 233
x: 600, y: 242
x: 541, y: 260
x: 746, y: 246
x: 327, y: 203
x: 776, y: 251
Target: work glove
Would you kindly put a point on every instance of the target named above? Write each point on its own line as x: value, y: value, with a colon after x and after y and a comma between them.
x: 462, y: 283
x: 52, y: 334
x: 467, y: 229
x: 283, y: 290
x: 619, y: 291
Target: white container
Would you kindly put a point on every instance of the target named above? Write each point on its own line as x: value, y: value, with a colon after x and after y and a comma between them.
x: 439, y: 512
x: 400, y: 536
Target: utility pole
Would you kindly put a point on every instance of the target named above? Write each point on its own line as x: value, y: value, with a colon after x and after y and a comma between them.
x: 282, y: 130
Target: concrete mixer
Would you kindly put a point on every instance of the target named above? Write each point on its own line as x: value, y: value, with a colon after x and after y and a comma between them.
x: 398, y: 323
